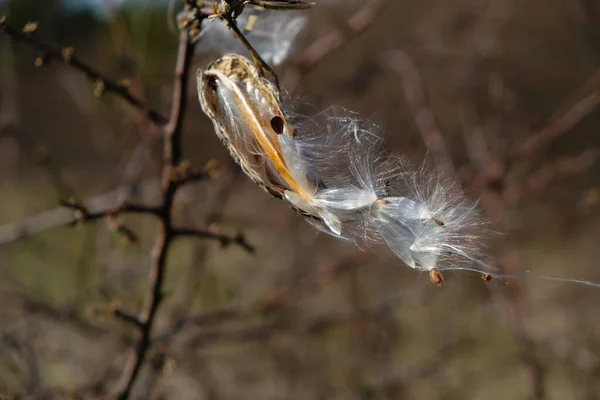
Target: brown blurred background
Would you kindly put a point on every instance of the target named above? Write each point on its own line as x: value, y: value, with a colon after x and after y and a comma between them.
x: 504, y: 92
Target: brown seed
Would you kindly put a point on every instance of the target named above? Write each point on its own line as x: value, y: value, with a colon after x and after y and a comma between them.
x: 277, y: 124
x: 436, y: 277
x: 437, y: 222
x: 486, y: 277
x: 382, y: 201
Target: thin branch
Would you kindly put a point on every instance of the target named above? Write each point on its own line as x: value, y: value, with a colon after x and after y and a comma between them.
x: 67, y: 57
x: 171, y: 156
x: 128, y: 318
x: 83, y: 214
x: 59, y: 216
x: 225, y: 240
x: 282, y: 4
x: 262, y: 64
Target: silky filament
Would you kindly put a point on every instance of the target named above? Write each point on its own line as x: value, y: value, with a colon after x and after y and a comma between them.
x: 332, y: 168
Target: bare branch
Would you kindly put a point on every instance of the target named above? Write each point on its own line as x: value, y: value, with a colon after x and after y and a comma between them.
x: 82, y: 214
x: 68, y: 57
x: 225, y: 240
x: 130, y: 319
x: 172, y: 158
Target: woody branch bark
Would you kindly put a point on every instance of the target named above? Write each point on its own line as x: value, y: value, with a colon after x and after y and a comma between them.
x: 67, y: 56
x: 172, y: 154
x: 175, y: 173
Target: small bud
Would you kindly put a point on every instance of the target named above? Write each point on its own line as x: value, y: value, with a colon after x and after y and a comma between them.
x: 173, y: 174
x: 113, y: 222
x: 213, y: 168
x: 30, y: 27
x: 185, y: 167
x: 79, y: 215
x: 214, y: 228
x: 41, y: 60
x: 99, y: 88
x: 184, y: 23
x: 124, y: 83
x: 67, y: 53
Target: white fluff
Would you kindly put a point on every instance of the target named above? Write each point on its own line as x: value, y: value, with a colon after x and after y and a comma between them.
x: 364, y: 194
x: 332, y: 166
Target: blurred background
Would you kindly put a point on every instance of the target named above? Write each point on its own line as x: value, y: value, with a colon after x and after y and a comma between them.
x: 503, y: 95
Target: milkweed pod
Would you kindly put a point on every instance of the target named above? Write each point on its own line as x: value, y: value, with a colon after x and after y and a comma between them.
x: 332, y: 167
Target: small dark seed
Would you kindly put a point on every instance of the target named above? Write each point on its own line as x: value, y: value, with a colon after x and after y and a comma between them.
x: 212, y: 83
x: 277, y: 124
x: 437, y: 222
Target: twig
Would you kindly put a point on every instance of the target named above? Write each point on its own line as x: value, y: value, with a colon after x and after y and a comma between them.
x: 67, y: 56
x: 282, y: 4
x: 175, y: 173
x: 58, y: 217
x: 128, y: 318
x: 165, y: 236
x: 171, y: 182
x: 225, y: 240
x: 262, y: 64
x: 83, y: 214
